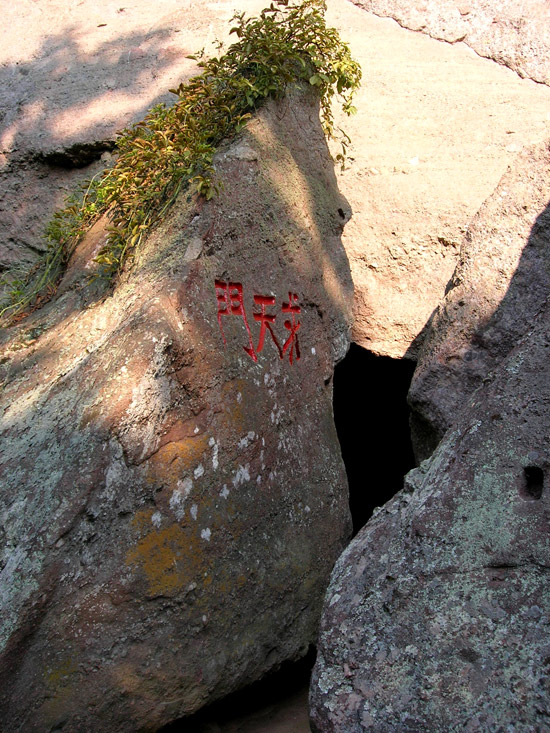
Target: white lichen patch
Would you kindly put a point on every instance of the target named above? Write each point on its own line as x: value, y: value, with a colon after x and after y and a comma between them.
x: 246, y: 440
x: 184, y: 486
x: 115, y: 474
x: 156, y: 519
x: 331, y: 678
x: 276, y: 414
x: 242, y: 475
x: 199, y: 471
x: 206, y: 534
x: 179, y: 495
x: 224, y: 493
x: 194, y: 511
x: 215, y: 453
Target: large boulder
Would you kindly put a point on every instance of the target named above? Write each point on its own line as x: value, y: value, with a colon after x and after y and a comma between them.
x: 501, y: 281
x: 437, y: 127
x: 511, y: 32
x: 435, y: 130
x: 173, y: 497
x: 437, y: 614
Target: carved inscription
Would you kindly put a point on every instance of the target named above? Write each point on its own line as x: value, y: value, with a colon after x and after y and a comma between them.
x: 230, y: 299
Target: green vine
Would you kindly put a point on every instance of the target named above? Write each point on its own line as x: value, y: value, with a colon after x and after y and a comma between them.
x: 173, y: 147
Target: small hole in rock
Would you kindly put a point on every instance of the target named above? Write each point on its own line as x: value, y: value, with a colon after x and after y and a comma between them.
x: 534, y: 480
x: 372, y: 420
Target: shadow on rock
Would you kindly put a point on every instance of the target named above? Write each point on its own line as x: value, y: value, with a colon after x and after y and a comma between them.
x: 496, y: 292
x: 173, y: 495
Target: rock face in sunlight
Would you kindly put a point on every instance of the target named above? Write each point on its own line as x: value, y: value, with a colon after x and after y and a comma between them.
x: 500, y: 283
x: 173, y: 497
x: 437, y: 614
x: 436, y: 128
x: 508, y: 31
x: 72, y: 76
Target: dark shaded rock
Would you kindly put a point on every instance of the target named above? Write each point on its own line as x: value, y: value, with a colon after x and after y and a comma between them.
x: 438, y: 613
x: 510, y: 32
x: 77, y: 155
x: 171, y: 506
x: 500, y: 283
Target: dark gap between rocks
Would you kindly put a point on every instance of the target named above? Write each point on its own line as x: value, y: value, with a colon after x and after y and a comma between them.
x: 372, y: 421
x: 277, y: 703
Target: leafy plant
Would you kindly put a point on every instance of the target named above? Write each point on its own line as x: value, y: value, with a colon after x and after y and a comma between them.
x: 173, y: 147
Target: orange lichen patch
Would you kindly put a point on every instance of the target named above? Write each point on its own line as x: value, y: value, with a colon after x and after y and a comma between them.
x: 169, y: 558
x: 171, y: 462
x: 178, y: 431
x: 142, y: 521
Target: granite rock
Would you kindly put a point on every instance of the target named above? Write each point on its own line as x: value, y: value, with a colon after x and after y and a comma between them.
x: 511, y: 32
x: 437, y: 614
x: 501, y: 281
x: 173, y: 496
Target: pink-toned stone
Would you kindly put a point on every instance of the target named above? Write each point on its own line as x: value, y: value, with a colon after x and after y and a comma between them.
x: 171, y: 507
x: 511, y: 32
x: 500, y: 283
x: 437, y: 614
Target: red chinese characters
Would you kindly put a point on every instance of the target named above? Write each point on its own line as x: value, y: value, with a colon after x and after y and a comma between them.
x: 292, y: 325
x: 265, y: 321
x: 230, y: 300
x: 231, y: 303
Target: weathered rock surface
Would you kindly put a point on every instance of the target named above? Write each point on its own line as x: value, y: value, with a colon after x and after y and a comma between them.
x: 437, y: 616
x: 73, y: 75
x: 435, y: 130
x: 171, y: 507
x: 499, y: 285
x: 511, y: 32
